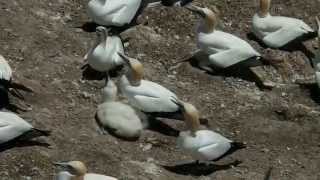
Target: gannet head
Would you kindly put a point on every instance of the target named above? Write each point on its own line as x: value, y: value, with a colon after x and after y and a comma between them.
x: 264, y: 8
x: 210, y: 17
x: 190, y: 114
x: 136, y: 69
x: 76, y: 168
x: 110, y: 91
x: 102, y: 33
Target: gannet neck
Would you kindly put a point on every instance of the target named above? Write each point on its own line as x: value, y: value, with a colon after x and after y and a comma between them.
x: 191, y: 116
x: 264, y: 8
x: 102, y: 35
x: 109, y: 92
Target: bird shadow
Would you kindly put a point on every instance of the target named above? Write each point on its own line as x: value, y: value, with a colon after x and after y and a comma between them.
x: 240, y: 70
x: 162, y: 128
x: 295, y: 45
x: 314, y: 91
x: 19, y: 143
x: 199, y: 169
x: 90, y: 74
x: 90, y: 27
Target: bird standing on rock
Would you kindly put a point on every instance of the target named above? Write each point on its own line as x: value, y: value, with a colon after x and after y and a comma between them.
x: 224, y: 50
x: 203, y: 145
x: 119, y: 118
x: 12, y: 127
x: 278, y: 31
x: 103, y: 55
x: 77, y: 170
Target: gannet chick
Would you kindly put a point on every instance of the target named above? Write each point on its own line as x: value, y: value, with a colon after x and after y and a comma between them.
x: 224, y: 50
x: 77, y: 170
x: 116, y: 13
x: 121, y: 119
x: 12, y: 127
x: 103, y: 55
x: 278, y: 31
x: 203, y: 145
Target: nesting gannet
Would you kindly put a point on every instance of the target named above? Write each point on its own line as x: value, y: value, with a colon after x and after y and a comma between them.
x: 224, y: 49
x: 278, y: 31
x: 146, y: 96
x: 103, y: 55
x: 77, y: 170
x: 113, y: 12
x: 121, y: 119
x: 203, y: 145
x: 13, y: 127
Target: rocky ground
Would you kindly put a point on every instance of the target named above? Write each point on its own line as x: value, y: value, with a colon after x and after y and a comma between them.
x: 41, y: 41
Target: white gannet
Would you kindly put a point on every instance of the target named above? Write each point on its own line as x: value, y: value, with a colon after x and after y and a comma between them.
x: 77, y: 170
x: 278, y: 31
x: 12, y: 127
x: 113, y: 12
x: 119, y: 118
x: 146, y: 96
x: 103, y: 55
x: 203, y: 145
x: 224, y: 49
x: 8, y: 86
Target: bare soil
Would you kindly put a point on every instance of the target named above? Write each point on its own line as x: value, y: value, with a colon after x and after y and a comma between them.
x: 41, y: 41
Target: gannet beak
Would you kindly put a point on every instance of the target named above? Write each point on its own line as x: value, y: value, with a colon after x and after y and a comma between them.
x: 178, y: 103
x: 125, y: 58
x: 197, y: 10
x: 61, y: 164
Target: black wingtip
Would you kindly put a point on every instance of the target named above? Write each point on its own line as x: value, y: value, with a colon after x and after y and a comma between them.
x: 238, y: 145
x: 39, y: 132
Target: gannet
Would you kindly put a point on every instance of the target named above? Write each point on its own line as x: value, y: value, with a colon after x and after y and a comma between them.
x: 103, y: 55
x: 77, y: 170
x: 113, y: 12
x: 121, y: 119
x: 224, y: 50
x: 146, y: 96
x: 12, y: 127
x: 203, y: 145
x: 7, y: 85
x: 278, y: 31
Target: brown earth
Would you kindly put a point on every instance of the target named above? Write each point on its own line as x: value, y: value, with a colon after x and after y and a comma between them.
x: 281, y: 127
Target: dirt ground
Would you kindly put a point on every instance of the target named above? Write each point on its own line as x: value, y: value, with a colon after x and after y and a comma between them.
x: 281, y: 127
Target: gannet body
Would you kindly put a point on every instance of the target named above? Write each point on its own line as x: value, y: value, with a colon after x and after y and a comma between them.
x: 223, y: 49
x: 116, y: 116
x: 5, y: 69
x: 203, y: 145
x: 113, y: 12
x: 12, y: 127
x: 145, y: 95
x: 103, y: 56
x: 76, y: 170
x: 278, y: 31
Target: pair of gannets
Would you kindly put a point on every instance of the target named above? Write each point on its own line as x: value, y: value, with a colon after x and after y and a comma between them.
x: 278, y: 31
x: 12, y: 127
x: 117, y: 117
x: 77, y: 170
x: 203, y: 145
x: 224, y: 49
x: 119, y: 13
x: 103, y: 55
